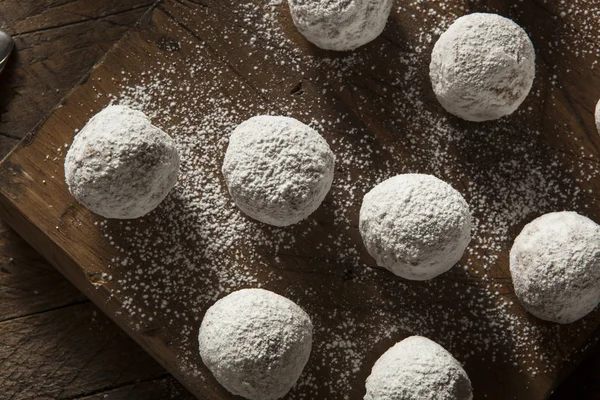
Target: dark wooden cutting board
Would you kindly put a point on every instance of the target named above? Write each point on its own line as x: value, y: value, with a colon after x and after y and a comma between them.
x: 200, y: 67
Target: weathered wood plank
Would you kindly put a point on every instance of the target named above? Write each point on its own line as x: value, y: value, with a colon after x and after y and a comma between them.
x: 7, y: 144
x: 56, y: 43
x: 28, y: 284
x: 66, y: 353
x: 48, y: 62
x: 18, y: 17
x: 157, y: 389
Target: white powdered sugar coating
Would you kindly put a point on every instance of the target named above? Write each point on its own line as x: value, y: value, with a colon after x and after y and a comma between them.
x: 120, y: 165
x: 555, y: 266
x: 597, y: 114
x: 340, y: 24
x: 277, y: 169
x: 415, y: 225
x: 256, y: 343
x: 199, y: 245
x: 418, y: 369
x: 482, y: 67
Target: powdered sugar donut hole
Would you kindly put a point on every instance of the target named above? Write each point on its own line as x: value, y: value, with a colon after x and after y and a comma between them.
x: 277, y: 169
x: 415, y: 225
x: 338, y: 24
x: 418, y: 368
x: 555, y: 266
x: 482, y: 67
x: 598, y: 116
x: 120, y: 165
x: 256, y: 343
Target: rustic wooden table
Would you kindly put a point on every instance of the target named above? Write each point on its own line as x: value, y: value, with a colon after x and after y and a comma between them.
x: 53, y: 342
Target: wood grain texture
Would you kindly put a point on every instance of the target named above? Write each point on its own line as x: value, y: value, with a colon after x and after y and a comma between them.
x: 89, y: 262
x: 54, y: 344
x: 155, y: 389
x: 28, y: 284
x: 56, y: 43
x: 7, y: 144
x: 87, y: 353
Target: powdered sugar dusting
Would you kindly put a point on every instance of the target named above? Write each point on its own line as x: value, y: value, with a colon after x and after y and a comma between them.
x: 554, y: 266
x: 418, y: 368
x: 277, y: 169
x: 376, y: 109
x: 281, y: 336
x: 415, y: 225
x: 119, y: 165
x: 482, y: 67
x: 340, y: 25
